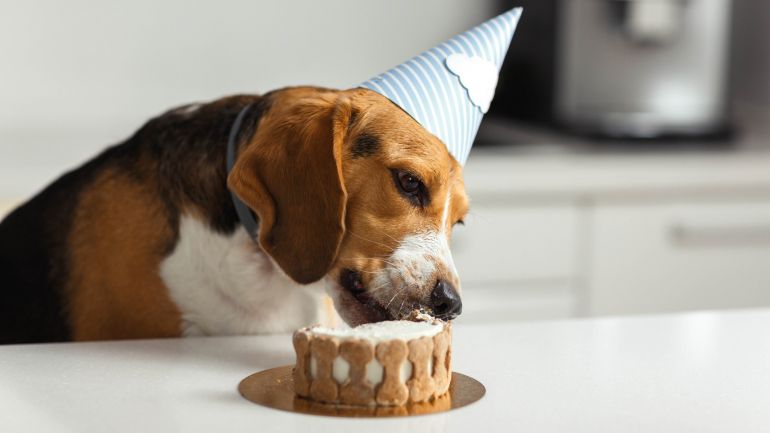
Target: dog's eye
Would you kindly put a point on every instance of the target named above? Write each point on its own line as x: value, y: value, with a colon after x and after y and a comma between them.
x: 409, y: 183
x: 411, y: 187
x: 460, y: 222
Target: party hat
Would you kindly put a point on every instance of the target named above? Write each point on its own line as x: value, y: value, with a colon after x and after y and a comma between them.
x: 448, y: 88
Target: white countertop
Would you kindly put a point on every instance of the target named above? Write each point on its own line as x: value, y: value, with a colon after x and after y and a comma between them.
x: 696, y: 372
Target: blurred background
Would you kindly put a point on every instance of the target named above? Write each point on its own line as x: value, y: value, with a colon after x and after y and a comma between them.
x: 624, y: 167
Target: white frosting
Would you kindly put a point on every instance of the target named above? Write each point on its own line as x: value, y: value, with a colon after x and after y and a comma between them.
x: 382, y: 331
x: 374, y: 372
x: 406, y: 371
x: 340, y: 369
x: 375, y: 333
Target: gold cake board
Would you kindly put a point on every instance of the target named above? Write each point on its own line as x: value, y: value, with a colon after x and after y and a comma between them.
x: 275, y: 388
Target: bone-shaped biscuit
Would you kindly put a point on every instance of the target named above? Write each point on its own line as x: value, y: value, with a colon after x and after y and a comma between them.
x: 421, y: 384
x: 357, y: 390
x: 301, y: 371
x: 441, y: 372
x: 324, y: 387
x: 391, y: 355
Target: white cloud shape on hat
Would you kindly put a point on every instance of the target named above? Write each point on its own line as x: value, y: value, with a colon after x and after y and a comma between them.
x: 477, y: 75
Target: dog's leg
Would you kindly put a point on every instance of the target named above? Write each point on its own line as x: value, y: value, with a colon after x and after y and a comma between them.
x: 120, y: 234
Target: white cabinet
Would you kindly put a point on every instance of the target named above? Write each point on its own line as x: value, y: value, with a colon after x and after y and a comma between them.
x: 513, y: 244
x: 517, y: 262
x: 519, y: 301
x: 559, y: 236
x: 652, y: 257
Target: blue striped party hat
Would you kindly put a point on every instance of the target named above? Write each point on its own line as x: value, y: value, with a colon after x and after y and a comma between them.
x: 448, y: 88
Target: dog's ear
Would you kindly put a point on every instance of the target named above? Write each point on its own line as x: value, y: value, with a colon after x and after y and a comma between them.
x: 290, y: 174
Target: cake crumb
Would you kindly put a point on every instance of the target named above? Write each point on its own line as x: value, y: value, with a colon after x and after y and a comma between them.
x: 419, y: 315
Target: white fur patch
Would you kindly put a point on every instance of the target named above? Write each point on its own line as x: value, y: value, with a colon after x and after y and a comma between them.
x: 425, y: 249
x: 417, y: 262
x: 192, y: 108
x: 447, y: 254
x: 477, y: 75
x: 186, y: 110
x: 445, y: 214
x: 414, y: 263
x: 226, y: 285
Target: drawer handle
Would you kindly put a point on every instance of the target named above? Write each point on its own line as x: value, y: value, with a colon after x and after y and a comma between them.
x: 685, y: 235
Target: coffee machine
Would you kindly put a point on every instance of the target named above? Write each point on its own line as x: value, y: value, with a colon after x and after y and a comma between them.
x: 621, y: 68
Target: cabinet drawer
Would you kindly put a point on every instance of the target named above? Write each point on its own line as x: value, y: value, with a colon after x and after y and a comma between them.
x: 655, y: 258
x: 502, y: 244
x: 495, y: 304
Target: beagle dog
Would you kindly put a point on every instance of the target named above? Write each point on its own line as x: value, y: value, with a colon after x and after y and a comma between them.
x: 351, y: 196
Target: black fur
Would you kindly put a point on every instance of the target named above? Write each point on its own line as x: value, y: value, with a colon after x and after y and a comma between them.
x: 365, y: 145
x: 190, y: 152
x: 181, y: 154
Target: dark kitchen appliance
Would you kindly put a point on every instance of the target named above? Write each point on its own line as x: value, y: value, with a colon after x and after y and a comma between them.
x: 620, y: 68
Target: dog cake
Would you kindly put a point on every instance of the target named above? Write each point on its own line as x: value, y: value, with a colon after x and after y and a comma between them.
x: 386, y: 363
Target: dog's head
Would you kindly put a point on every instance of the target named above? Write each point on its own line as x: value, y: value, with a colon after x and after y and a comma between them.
x: 349, y: 187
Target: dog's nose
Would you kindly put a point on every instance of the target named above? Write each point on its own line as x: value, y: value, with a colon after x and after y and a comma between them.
x: 445, y: 301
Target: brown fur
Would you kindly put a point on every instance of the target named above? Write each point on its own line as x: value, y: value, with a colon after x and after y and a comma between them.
x: 116, y: 244
x: 290, y: 175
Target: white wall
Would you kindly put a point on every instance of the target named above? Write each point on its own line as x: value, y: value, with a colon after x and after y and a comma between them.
x: 77, y: 75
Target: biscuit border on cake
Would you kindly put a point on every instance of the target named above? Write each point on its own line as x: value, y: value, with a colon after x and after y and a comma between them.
x: 429, y: 368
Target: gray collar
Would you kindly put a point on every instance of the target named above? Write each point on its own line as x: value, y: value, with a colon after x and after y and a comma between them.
x: 245, y: 215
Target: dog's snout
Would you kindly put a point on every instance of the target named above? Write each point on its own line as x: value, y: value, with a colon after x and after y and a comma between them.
x: 445, y: 301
